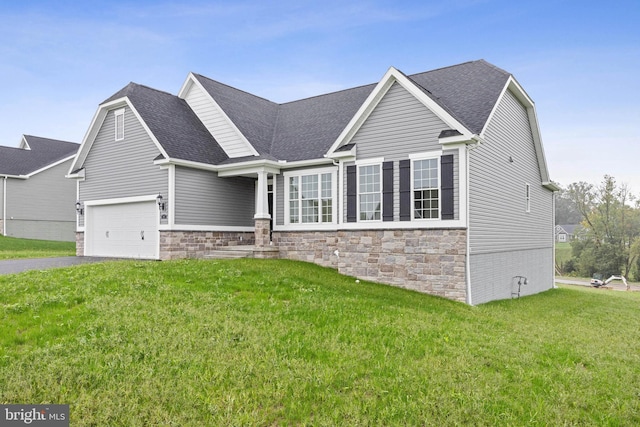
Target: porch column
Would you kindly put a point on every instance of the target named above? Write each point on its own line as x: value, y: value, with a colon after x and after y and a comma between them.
x: 262, y: 217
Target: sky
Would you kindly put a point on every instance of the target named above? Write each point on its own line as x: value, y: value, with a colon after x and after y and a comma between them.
x: 579, y: 62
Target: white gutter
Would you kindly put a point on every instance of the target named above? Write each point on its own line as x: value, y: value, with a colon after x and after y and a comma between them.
x: 243, y: 167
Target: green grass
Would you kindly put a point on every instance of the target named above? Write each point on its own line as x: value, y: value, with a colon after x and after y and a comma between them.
x: 11, y: 248
x: 563, y: 252
x: 274, y: 342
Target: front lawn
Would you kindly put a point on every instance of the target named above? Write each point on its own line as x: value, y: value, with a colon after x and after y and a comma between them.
x: 11, y: 248
x: 275, y: 342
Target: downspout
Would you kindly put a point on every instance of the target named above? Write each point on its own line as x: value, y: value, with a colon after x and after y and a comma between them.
x: 469, y: 147
x: 4, y: 206
x: 553, y: 239
x: 468, y: 263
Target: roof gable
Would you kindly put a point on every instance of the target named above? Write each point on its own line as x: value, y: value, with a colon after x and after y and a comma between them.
x: 253, y: 117
x: 425, y: 97
x: 168, y: 120
x: 215, y: 119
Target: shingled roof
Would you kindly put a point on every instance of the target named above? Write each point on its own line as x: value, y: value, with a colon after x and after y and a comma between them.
x: 304, y: 129
x: 173, y: 123
x: 41, y: 152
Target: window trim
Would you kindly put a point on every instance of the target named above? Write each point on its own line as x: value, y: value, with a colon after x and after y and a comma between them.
x: 334, y: 197
x: 363, y: 163
x: 436, y: 155
x: 119, y: 115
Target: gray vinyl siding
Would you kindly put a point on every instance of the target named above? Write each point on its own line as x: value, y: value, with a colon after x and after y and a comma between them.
x: 64, y: 231
x: 125, y: 168
x: 203, y: 198
x: 504, y: 239
x: 498, y: 217
x: 42, y: 206
x: 399, y: 125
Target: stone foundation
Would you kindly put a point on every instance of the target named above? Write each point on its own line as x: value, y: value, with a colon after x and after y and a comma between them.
x: 79, y: 243
x: 263, y: 233
x: 429, y: 261
x: 2, y: 227
x: 197, y: 244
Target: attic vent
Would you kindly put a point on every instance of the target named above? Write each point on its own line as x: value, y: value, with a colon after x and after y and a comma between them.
x: 119, y: 124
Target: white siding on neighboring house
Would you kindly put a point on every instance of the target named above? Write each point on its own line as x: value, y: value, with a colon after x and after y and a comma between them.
x: 203, y: 198
x: 116, y: 169
x: 500, y: 226
x: 218, y: 125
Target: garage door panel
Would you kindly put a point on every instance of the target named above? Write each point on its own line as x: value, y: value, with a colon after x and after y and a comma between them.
x: 128, y: 230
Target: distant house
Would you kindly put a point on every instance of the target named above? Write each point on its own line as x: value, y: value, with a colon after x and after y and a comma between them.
x: 435, y: 181
x: 36, y: 200
x: 567, y: 232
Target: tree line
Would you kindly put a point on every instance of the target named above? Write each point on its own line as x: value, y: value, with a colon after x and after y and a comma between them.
x: 608, y: 239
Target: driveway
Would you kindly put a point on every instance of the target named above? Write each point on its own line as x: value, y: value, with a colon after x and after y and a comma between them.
x: 11, y: 266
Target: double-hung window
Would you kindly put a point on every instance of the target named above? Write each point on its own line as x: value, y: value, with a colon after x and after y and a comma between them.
x: 310, y: 197
x: 426, y: 189
x: 119, y: 124
x: 369, y: 192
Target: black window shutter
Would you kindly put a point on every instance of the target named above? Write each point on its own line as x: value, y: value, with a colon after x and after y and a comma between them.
x: 446, y: 186
x: 352, y: 197
x: 405, y: 190
x: 387, y: 191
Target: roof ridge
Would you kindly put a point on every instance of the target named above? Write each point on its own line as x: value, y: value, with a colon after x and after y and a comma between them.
x: 448, y: 66
x: 329, y: 93
x: 235, y: 88
x: 49, y: 139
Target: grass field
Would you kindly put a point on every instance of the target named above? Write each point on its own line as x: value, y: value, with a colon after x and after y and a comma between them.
x: 25, y: 248
x: 274, y: 342
x: 563, y: 252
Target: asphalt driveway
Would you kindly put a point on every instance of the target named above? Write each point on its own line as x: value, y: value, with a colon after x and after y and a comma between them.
x: 11, y: 266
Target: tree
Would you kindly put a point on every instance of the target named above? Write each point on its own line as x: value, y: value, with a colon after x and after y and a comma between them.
x: 612, y: 238
x: 566, y: 210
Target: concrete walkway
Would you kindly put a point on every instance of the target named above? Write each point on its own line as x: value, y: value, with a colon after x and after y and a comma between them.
x: 11, y: 266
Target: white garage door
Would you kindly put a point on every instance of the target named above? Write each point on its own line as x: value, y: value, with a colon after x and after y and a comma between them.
x: 127, y: 230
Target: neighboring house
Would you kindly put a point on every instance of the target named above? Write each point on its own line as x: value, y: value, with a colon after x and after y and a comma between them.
x: 434, y: 181
x: 36, y: 200
x: 567, y: 232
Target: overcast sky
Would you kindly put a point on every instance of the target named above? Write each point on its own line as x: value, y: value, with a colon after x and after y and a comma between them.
x: 579, y: 62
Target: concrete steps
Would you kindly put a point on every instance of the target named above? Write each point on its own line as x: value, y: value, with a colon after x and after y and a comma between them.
x: 232, y: 252
x: 243, y: 251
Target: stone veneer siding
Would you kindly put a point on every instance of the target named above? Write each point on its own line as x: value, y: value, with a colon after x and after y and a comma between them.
x: 197, y: 244
x: 429, y: 261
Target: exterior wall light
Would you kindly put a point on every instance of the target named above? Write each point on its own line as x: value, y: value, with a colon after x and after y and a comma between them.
x: 79, y: 208
x: 160, y: 202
